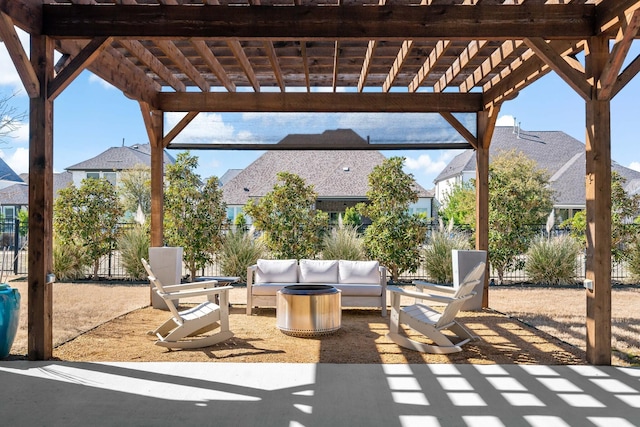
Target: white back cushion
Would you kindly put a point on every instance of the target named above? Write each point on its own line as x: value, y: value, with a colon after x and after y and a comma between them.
x: 277, y: 271
x: 318, y: 271
x: 358, y: 272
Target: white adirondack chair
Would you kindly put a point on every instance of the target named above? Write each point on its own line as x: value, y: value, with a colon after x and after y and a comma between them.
x: 185, y: 328
x: 429, y: 322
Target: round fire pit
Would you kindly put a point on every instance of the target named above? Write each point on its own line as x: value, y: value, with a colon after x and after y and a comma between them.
x: 308, y: 310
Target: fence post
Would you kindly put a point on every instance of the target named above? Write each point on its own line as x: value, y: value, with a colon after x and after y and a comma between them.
x: 16, y: 244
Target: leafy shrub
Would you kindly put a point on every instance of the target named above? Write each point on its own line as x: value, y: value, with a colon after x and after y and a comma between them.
x: 552, y: 260
x: 133, y: 244
x: 343, y: 243
x: 437, y: 254
x: 69, y: 261
x: 239, y: 251
x: 633, y: 261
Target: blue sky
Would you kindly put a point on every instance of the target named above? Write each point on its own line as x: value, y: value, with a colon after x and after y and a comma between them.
x: 91, y: 116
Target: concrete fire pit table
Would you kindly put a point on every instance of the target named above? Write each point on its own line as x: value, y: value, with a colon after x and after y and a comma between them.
x: 308, y: 310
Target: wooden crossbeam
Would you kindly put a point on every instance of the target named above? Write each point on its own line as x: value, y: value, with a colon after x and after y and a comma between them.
x: 307, y: 22
x: 77, y: 64
x: 626, y: 34
x: 565, y: 70
x: 393, y: 102
x: 366, y: 65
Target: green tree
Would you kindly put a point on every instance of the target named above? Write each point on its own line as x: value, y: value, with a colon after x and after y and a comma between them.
x: 194, y: 214
x: 135, y: 189
x: 87, y: 216
x: 519, y: 199
x: 460, y: 205
x: 625, y: 209
x: 23, y: 217
x: 352, y: 217
x: 394, y: 236
x: 291, y: 225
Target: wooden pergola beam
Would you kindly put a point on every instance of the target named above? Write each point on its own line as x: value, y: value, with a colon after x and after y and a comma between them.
x: 18, y: 55
x: 598, y: 204
x: 77, y: 64
x: 26, y: 14
x: 392, y: 102
x: 40, y: 281
x: 482, y: 21
x: 574, y: 78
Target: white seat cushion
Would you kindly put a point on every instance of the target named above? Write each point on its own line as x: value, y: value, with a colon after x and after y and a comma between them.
x: 267, y: 289
x: 358, y: 272
x: 277, y: 271
x: 359, y: 290
x: 318, y: 271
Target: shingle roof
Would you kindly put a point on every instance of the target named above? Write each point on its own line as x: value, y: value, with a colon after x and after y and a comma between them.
x: 120, y: 158
x: 7, y: 174
x: 333, y: 173
x: 560, y: 154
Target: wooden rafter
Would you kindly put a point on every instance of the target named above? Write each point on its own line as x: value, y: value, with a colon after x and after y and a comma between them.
x: 275, y: 64
x: 305, y: 64
x: 241, y: 56
x: 460, y: 62
x: 336, y: 56
x: 404, y: 51
x: 484, y: 69
x: 429, y: 63
x: 565, y: 70
x: 213, y: 64
x: 138, y: 50
x: 77, y: 64
x: 170, y: 49
x: 364, y: 72
x: 18, y: 55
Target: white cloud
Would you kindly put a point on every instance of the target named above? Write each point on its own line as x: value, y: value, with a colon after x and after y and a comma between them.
x: 18, y: 160
x: 97, y: 80
x: 505, y: 120
x: 427, y: 165
x: 207, y: 128
x: 635, y: 166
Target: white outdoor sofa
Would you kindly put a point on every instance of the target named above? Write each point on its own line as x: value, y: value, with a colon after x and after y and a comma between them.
x: 363, y: 283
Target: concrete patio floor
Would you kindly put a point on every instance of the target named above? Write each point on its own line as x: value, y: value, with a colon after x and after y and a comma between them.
x: 54, y: 393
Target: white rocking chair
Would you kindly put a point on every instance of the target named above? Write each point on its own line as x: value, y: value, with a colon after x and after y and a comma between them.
x: 429, y: 322
x: 184, y: 328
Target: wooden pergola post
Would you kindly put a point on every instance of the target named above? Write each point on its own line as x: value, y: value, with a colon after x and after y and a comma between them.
x: 40, y: 340
x: 598, y: 203
x: 157, y: 179
x: 486, y: 123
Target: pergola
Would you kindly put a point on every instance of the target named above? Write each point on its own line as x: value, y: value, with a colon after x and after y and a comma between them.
x: 441, y: 56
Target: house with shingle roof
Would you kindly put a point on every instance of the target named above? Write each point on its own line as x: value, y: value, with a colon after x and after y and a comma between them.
x: 340, y: 177
x: 562, y: 156
x: 111, y: 163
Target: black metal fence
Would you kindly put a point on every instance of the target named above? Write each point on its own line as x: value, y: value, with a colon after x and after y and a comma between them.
x: 13, y: 260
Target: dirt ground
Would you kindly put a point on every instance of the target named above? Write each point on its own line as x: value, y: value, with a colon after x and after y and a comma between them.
x: 102, y: 322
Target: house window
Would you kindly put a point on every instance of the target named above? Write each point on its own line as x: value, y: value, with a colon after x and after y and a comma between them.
x: 111, y: 177
x: 93, y: 175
